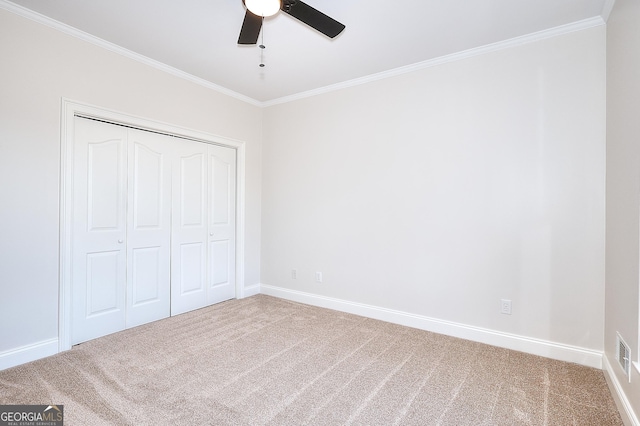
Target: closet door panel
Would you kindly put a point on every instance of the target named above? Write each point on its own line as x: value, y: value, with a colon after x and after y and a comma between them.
x: 191, y: 268
x: 147, y: 271
x: 99, y: 230
x: 149, y: 228
x: 189, y: 227
x: 222, y: 226
x: 103, y: 283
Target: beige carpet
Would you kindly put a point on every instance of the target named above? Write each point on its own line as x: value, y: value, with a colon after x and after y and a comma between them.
x: 264, y: 360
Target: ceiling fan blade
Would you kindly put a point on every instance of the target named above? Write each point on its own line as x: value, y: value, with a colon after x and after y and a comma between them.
x: 312, y: 17
x: 250, y: 29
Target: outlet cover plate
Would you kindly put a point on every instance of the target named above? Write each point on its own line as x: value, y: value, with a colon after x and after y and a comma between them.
x: 505, y: 306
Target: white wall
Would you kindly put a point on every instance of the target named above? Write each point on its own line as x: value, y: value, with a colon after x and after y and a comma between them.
x: 39, y: 67
x: 434, y: 193
x: 623, y: 193
x: 441, y: 191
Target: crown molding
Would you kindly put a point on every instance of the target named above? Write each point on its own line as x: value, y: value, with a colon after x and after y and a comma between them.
x: 477, y: 51
x: 607, y: 8
x: 74, y: 32
x: 516, y: 41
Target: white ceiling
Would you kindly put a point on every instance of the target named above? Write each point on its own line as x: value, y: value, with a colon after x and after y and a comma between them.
x: 199, y: 37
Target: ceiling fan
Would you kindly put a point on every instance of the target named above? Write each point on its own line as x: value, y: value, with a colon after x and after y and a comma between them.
x: 257, y: 10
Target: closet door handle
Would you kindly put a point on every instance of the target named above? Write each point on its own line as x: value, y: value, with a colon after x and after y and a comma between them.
x: 120, y: 241
x: 211, y: 234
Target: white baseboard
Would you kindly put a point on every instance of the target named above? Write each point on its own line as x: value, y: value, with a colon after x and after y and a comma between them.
x: 28, y: 353
x: 35, y: 351
x: 562, y: 352
x: 629, y: 418
x: 252, y: 290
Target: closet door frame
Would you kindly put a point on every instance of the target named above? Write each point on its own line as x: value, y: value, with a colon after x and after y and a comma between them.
x: 71, y: 109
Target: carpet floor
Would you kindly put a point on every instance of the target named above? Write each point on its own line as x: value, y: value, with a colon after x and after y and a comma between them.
x: 267, y: 361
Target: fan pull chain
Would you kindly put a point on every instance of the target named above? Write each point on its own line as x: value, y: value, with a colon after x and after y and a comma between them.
x: 262, y: 46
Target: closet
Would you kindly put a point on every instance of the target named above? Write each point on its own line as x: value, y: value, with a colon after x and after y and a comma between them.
x: 153, y: 228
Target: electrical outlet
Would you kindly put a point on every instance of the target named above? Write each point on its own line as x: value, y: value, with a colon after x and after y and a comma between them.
x: 294, y: 274
x: 505, y: 306
x: 318, y: 277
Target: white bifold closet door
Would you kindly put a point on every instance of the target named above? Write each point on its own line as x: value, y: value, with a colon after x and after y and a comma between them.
x: 153, y: 227
x: 222, y: 224
x: 99, y: 230
x: 122, y: 228
x: 203, y: 227
x: 148, y: 228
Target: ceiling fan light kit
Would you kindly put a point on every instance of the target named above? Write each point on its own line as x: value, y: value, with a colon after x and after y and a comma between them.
x: 263, y: 8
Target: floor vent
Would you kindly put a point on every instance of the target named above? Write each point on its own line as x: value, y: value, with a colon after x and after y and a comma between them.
x: 624, y: 357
